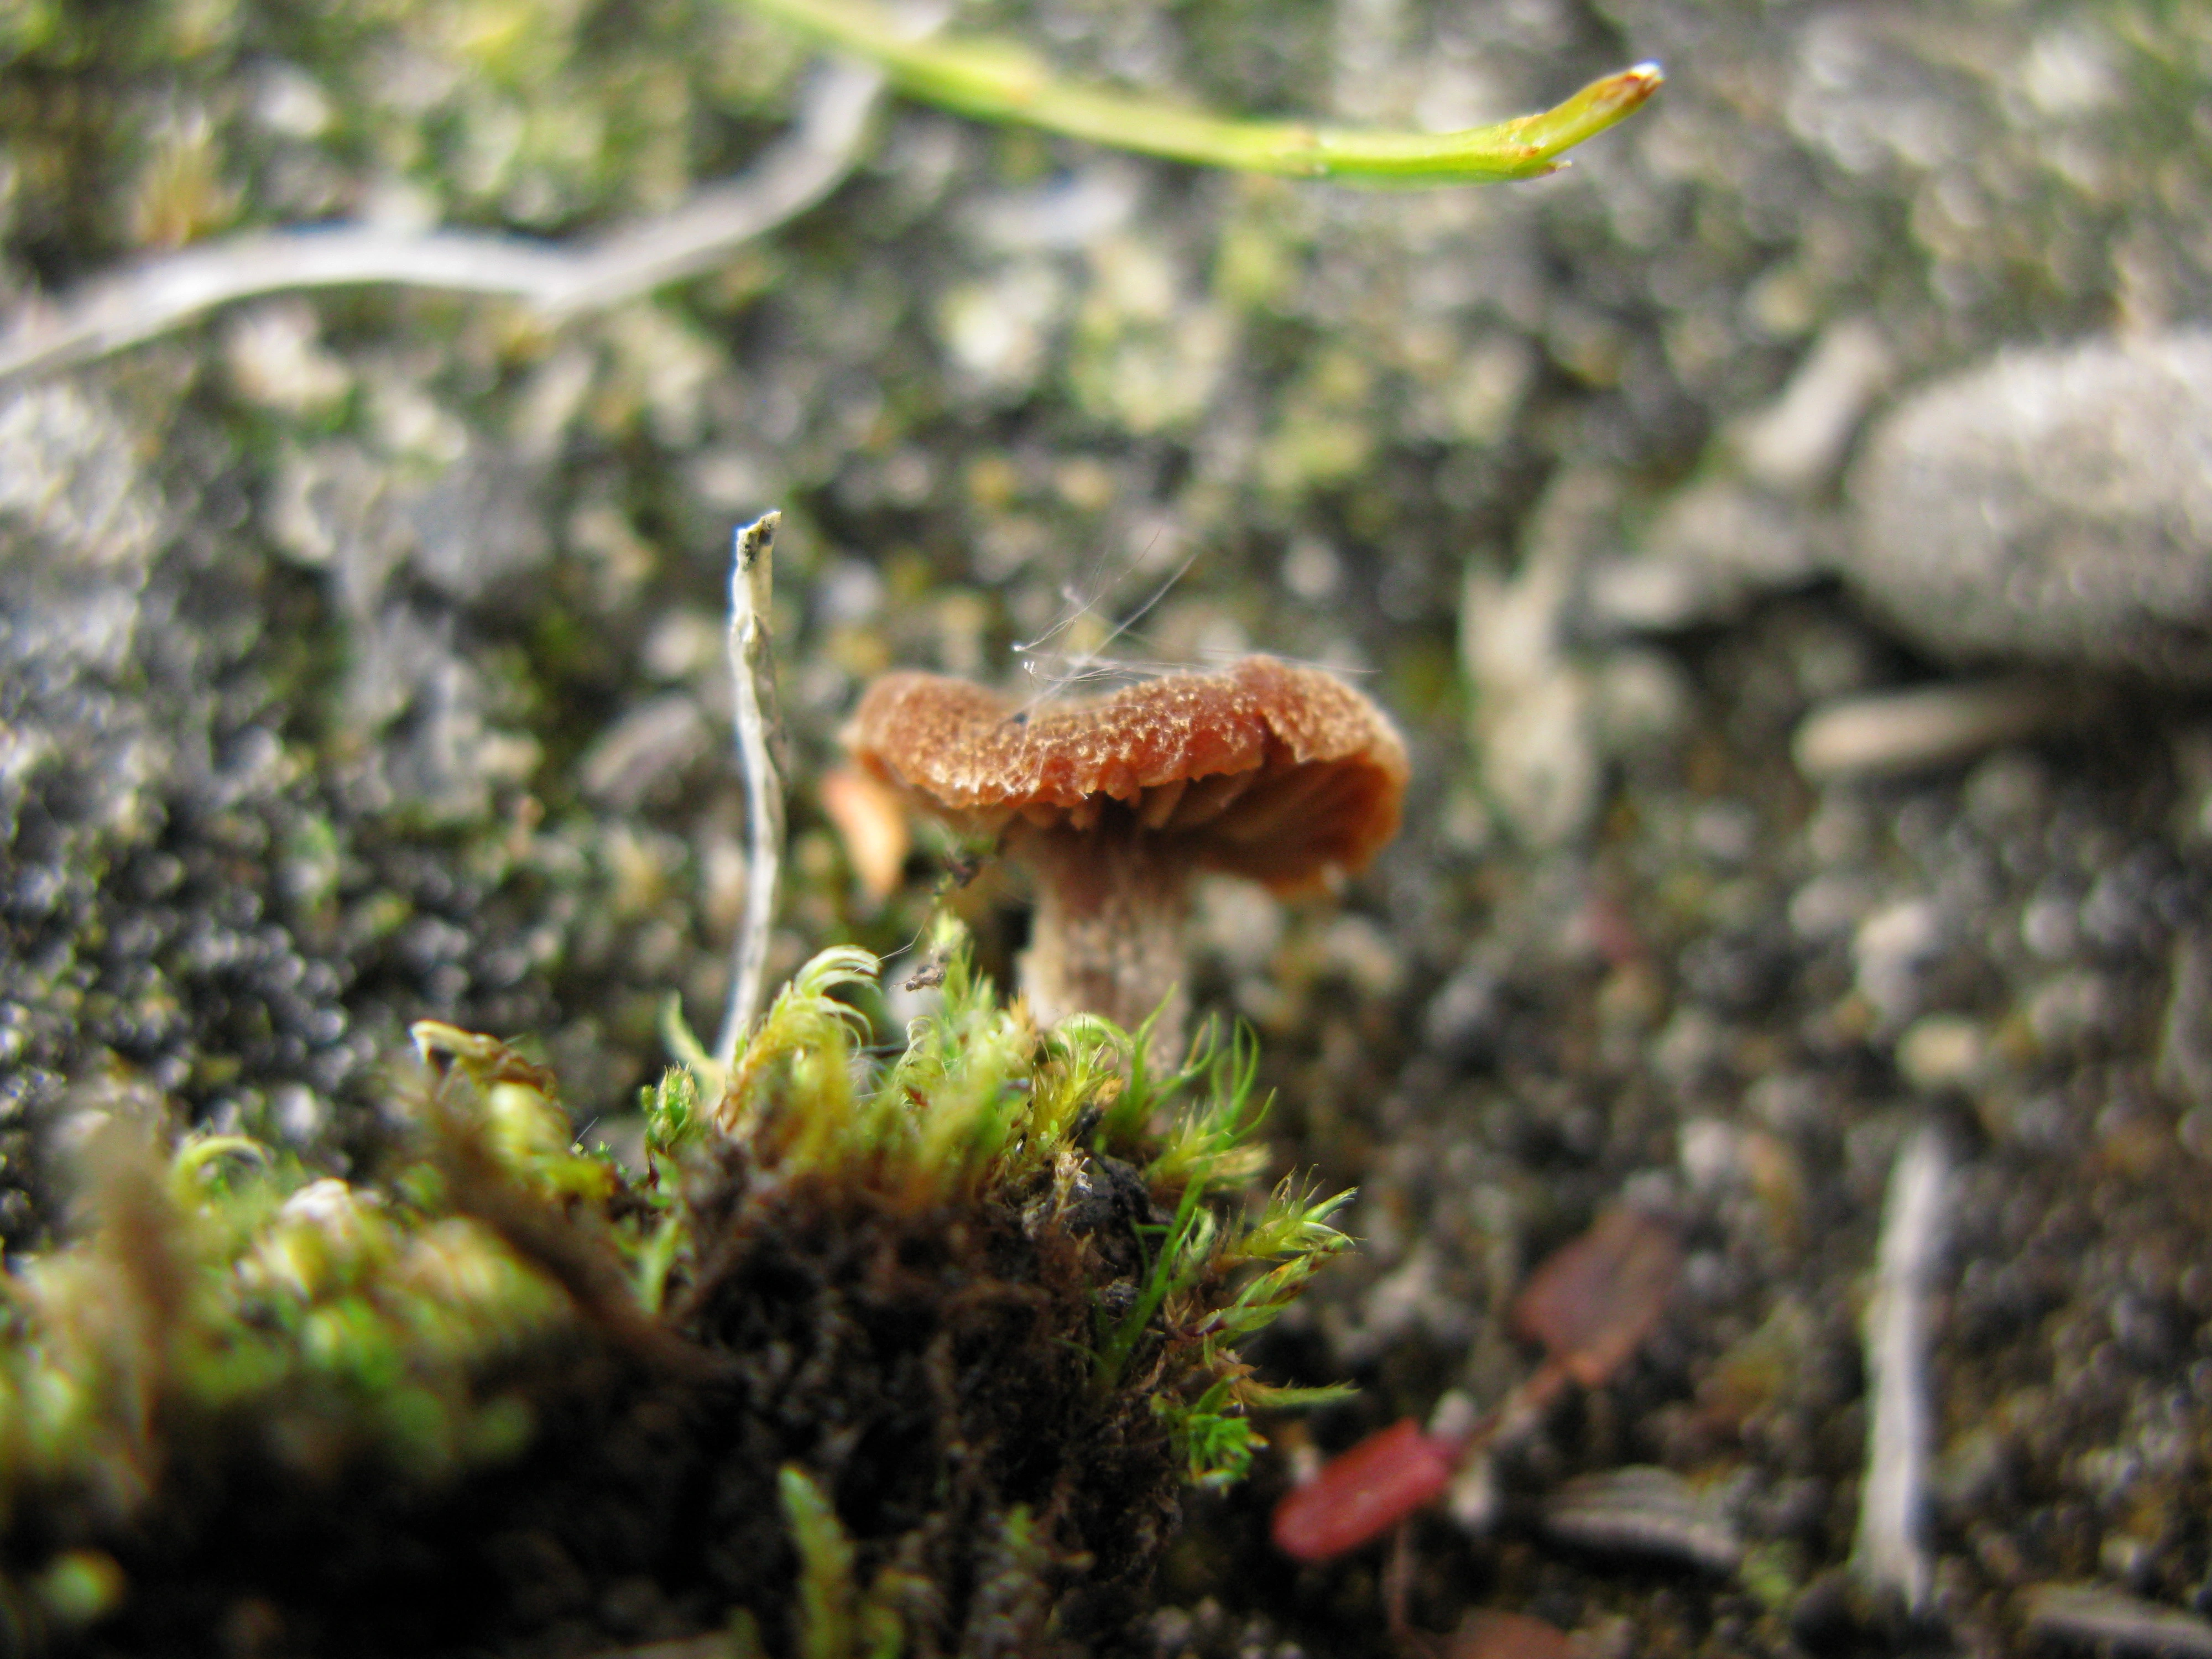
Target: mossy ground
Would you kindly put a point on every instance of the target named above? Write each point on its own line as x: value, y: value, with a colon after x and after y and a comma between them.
x: 911, y: 1358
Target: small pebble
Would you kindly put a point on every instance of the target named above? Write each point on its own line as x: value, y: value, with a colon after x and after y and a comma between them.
x: 2072, y: 1013
x: 1894, y: 732
x: 276, y: 362
x: 2184, y: 1048
x: 1645, y: 1510
x: 1797, y: 443
x: 1465, y: 1016
x: 2090, y: 1615
x: 1714, y: 549
x: 1892, y: 947
x: 1942, y: 1051
x: 2051, y: 505
x: 655, y: 741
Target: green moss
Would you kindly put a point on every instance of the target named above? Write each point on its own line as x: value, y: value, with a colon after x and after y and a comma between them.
x: 872, y: 1356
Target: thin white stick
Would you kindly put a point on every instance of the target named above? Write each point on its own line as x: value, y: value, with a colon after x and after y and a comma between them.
x: 129, y: 308
x: 752, y: 671
x: 1891, y: 1554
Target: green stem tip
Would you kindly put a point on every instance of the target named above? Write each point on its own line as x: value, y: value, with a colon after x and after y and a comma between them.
x: 996, y: 81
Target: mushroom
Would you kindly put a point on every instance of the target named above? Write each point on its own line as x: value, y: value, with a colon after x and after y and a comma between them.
x: 1266, y: 769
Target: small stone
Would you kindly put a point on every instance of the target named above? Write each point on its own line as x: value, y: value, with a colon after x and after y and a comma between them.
x: 297, y: 1113
x: 1707, y: 1149
x: 1357, y: 948
x: 1725, y: 833
x: 1797, y: 441
x: 2126, y: 1558
x: 1644, y: 1510
x: 654, y: 741
x: 996, y: 332
x: 1830, y: 904
x: 476, y: 524
x: 1073, y: 210
x: 275, y: 361
x: 1893, y: 732
x: 288, y: 100
x: 2011, y: 788
x: 2092, y: 1616
x: 1942, y: 1051
x: 2073, y: 1013
x: 1412, y: 1298
x: 1892, y: 947
x: 2184, y: 1049
x: 1465, y: 1017
x: 2052, y: 505
x: 1475, y: 1500
x: 1534, y: 723
x: 1714, y: 549
x: 1643, y: 704
x: 73, y: 480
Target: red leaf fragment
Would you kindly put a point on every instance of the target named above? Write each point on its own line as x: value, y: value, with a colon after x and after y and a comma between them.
x: 1362, y: 1494
x: 1593, y: 1300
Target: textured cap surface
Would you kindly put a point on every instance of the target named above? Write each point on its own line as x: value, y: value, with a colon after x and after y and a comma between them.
x: 1266, y: 770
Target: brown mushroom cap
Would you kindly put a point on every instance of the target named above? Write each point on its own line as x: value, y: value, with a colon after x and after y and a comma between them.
x: 1266, y: 769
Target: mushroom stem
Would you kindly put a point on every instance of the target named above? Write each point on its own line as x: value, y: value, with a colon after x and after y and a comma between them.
x: 1107, y: 935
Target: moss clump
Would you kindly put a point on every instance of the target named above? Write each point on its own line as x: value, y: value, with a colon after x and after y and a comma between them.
x: 910, y: 1357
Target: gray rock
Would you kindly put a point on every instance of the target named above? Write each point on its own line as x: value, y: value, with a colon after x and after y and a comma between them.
x: 2051, y: 505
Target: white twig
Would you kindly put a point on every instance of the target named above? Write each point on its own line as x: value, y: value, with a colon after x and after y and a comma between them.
x: 752, y: 670
x: 1891, y: 1555
x: 133, y: 305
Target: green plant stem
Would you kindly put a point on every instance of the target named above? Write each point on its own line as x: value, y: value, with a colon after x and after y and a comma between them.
x: 996, y: 81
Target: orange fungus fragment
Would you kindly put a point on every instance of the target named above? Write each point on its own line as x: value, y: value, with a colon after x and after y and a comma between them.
x: 870, y: 820
x: 1266, y: 770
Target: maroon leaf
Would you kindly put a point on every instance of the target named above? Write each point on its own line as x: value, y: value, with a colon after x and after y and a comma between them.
x: 1593, y: 1301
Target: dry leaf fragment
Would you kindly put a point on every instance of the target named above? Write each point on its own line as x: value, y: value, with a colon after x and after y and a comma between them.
x: 1593, y: 1300
x: 1491, y: 1633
